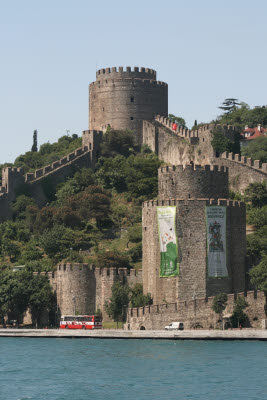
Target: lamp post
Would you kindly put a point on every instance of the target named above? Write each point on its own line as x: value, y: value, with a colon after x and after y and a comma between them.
x: 74, y: 305
x: 194, y: 297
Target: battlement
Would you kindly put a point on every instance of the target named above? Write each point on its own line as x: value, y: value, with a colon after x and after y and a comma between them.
x: 192, y: 201
x: 194, y: 310
x: 193, y: 168
x: 42, y: 172
x: 133, y: 82
x: 106, y: 271
x: 256, y: 164
x: 128, y: 72
x: 193, y: 181
x: 69, y: 267
x: 187, y: 133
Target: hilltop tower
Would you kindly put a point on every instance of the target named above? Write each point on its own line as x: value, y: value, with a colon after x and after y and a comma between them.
x: 124, y: 98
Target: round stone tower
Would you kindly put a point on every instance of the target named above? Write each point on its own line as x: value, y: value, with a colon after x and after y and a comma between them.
x: 192, y: 181
x: 124, y: 98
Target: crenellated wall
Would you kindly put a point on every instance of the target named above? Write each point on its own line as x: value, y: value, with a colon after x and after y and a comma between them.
x: 194, y: 312
x: 189, y: 181
x: 85, y: 289
x: 191, y: 235
x: 242, y: 170
x: 50, y: 175
x: 182, y: 146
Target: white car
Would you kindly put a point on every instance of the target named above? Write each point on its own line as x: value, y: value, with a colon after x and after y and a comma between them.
x: 175, y: 326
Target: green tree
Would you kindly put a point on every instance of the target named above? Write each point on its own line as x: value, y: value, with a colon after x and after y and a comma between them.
x: 116, y: 307
x: 110, y: 259
x: 20, y: 205
x: 257, y: 149
x: 18, y: 293
x: 118, y: 142
x: 258, y: 275
x: 10, y: 249
x: 239, y: 318
x: 177, y: 120
x: 229, y: 105
x: 256, y: 194
x: 34, y: 145
x: 257, y: 217
x: 221, y: 143
x: 51, y: 240
x: 257, y: 245
x: 219, y: 304
x: 138, y: 298
x: 41, y: 298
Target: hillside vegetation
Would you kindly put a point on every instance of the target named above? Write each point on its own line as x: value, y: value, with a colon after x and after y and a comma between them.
x: 95, y: 216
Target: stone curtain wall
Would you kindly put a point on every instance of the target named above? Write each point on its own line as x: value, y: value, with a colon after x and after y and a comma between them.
x: 182, y: 146
x: 193, y: 181
x: 57, y: 172
x: 194, y: 312
x: 192, y: 251
x: 242, y: 170
x: 90, y: 286
x: 124, y: 98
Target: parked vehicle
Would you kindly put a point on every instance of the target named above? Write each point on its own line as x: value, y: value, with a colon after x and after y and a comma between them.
x: 80, y: 322
x: 175, y: 326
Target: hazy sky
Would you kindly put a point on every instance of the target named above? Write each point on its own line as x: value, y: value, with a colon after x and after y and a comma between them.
x: 205, y: 50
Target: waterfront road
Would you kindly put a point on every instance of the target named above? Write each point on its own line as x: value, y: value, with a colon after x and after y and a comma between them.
x: 236, y: 334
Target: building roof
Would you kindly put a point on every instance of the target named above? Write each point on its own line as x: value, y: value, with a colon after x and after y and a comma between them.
x: 253, y: 133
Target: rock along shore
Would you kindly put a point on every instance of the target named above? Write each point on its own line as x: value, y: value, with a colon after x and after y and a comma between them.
x: 244, y: 334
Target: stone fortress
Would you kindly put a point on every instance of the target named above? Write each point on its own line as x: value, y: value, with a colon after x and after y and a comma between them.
x: 194, y: 179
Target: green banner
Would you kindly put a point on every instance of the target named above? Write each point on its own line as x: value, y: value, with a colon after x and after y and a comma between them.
x: 216, y: 241
x: 167, y: 240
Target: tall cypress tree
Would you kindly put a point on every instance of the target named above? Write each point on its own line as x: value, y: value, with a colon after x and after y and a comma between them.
x: 34, y: 146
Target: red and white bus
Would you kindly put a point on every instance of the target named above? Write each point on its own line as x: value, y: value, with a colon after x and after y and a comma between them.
x: 80, y: 322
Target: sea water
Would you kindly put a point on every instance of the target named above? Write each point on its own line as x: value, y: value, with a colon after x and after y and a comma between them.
x: 131, y: 369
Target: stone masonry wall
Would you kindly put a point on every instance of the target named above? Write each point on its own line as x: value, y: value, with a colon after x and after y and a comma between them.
x: 183, y: 146
x: 194, y: 312
x: 192, y: 252
x: 242, y: 170
x: 124, y: 98
x: 86, y: 289
x: 50, y: 175
x: 193, y: 181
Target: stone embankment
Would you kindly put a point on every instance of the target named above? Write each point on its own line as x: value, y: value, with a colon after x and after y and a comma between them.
x: 243, y: 334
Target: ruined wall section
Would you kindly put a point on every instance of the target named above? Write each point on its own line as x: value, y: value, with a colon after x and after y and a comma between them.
x: 123, y: 99
x: 193, y: 181
x: 192, y: 251
x: 194, y: 312
x: 242, y: 170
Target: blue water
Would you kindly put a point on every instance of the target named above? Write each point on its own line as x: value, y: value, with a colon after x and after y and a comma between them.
x: 131, y: 369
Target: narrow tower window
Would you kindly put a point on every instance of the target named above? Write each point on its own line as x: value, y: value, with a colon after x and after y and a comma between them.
x: 131, y: 118
x: 132, y: 99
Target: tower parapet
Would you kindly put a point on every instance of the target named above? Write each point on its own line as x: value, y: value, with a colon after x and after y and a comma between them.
x: 189, y: 181
x: 123, y: 98
x: 128, y: 72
